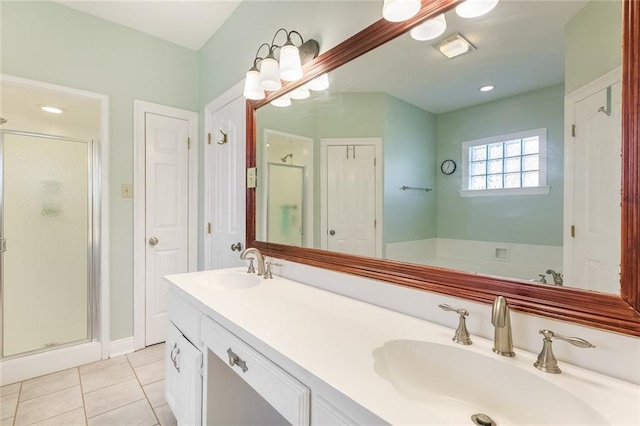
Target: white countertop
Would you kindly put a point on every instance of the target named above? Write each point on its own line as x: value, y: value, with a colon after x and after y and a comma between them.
x: 333, y: 338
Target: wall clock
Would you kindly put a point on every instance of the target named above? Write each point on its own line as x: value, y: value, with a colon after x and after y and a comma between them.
x: 448, y: 167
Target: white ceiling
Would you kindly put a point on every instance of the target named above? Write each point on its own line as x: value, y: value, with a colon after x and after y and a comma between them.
x: 187, y: 23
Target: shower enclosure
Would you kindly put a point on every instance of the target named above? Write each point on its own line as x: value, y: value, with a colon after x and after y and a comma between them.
x: 48, y: 264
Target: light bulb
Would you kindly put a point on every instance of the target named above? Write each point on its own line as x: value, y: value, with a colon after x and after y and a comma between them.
x: 430, y: 29
x: 475, y: 8
x: 252, y: 89
x: 400, y: 10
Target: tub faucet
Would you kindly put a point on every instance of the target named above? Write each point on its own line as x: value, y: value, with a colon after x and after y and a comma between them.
x: 500, y: 318
x: 557, y: 276
x: 259, y: 259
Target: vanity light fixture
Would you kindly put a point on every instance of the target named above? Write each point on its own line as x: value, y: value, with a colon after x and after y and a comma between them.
x: 430, y: 29
x: 282, y: 62
x: 454, y: 45
x: 400, y: 10
x: 487, y: 88
x: 301, y: 92
x: 475, y: 8
x: 319, y: 83
x: 52, y: 109
x: 282, y: 101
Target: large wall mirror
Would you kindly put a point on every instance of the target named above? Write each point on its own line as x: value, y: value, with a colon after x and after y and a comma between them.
x: 510, y: 169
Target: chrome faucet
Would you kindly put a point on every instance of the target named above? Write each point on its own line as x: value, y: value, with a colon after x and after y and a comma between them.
x: 557, y: 277
x: 259, y: 259
x: 501, y: 320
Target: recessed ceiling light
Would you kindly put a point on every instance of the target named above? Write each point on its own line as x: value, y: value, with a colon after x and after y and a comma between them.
x: 486, y: 88
x: 51, y: 109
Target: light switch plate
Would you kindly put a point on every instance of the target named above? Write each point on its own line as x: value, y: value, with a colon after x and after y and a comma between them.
x: 127, y: 190
x: 251, y: 177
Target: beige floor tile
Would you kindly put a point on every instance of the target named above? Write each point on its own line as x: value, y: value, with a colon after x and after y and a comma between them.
x: 9, y: 389
x: 49, y: 405
x: 102, y: 364
x: 150, y: 373
x: 8, y: 404
x: 7, y: 422
x: 147, y: 355
x: 49, y: 383
x: 104, y: 377
x: 155, y: 393
x: 112, y: 397
x: 70, y: 418
x: 165, y: 415
x: 138, y: 413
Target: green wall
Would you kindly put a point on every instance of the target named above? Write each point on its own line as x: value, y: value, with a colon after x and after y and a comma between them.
x: 593, y: 43
x: 529, y: 219
x: 48, y: 42
x: 409, y: 159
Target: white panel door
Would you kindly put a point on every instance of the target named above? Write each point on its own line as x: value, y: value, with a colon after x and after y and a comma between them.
x: 596, y: 195
x: 351, y: 199
x: 227, y: 182
x: 166, y: 197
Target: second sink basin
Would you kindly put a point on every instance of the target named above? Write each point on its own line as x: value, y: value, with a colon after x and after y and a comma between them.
x: 464, y: 383
x: 227, y: 280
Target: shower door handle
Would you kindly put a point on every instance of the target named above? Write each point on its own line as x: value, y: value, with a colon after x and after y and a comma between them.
x: 3, y: 245
x: 153, y: 241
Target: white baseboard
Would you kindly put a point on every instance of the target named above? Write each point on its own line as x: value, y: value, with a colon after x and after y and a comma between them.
x: 121, y: 347
x: 30, y: 366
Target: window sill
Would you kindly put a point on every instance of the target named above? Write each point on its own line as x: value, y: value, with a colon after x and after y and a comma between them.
x: 539, y: 190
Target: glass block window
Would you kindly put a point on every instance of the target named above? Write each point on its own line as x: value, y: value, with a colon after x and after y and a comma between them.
x: 501, y: 164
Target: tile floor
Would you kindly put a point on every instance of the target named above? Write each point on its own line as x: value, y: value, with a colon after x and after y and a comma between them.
x: 121, y: 391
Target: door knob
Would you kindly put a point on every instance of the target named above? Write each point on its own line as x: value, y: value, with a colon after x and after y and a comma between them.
x: 153, y: 241
x: 332, y: 232
x: 236, y: 247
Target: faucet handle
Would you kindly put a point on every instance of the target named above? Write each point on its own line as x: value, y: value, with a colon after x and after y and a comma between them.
x: 547, y: 361
x: 267, y: 273
x: 461, y: 335
x: 251, y: 269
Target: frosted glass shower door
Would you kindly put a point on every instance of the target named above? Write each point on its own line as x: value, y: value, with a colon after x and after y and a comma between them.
x: 285, y: 204
x: 45, y: 221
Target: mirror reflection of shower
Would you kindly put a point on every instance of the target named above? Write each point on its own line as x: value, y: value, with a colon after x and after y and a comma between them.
x: 289, y: 155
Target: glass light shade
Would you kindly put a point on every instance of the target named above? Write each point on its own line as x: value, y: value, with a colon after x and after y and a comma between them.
x: 301, y: 92
x: 454, y: 48
x: 51, y: 109
x: 475, y: 8
x: 269, y: 75
x: 319, y: 83
x: 430, y: 29
x: 400, y: 10
x: 252, y: 89
x: 282, y: 101
x: 290, y: 65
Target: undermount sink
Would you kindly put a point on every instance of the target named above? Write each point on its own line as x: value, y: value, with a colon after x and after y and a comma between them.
x: 227, y: 280
x: 462, y: 383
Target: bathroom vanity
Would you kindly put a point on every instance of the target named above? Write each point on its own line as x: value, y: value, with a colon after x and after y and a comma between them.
x: 245, y: 350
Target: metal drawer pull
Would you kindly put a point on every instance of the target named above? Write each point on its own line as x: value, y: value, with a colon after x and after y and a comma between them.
x: 174, y: 358
x: 236, y: 360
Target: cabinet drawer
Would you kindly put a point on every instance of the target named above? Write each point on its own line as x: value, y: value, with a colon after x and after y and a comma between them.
x: 286, y: 394
x: 184, y: 316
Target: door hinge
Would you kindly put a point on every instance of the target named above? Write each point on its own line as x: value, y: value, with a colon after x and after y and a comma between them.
x: 375, y: 223
x: 573, y: 130
x: 209, y: 138
x: 188, y: 143
x: 573, y: 231
x: 375, y: 162
x: 208, y: 227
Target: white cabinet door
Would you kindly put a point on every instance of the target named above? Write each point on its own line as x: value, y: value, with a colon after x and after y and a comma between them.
x: 183, y: 382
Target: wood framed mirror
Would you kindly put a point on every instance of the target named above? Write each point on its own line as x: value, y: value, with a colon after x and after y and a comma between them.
x: 618, y: 313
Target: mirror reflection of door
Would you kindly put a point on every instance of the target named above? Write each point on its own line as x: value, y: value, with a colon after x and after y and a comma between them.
x: 593, y: 202
x: 285, y: 205
x: 350, y: 197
